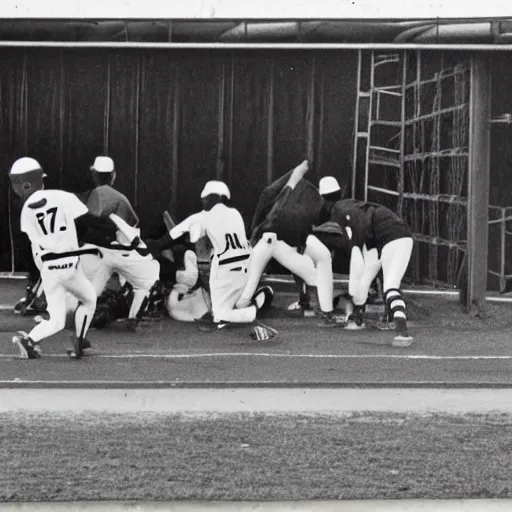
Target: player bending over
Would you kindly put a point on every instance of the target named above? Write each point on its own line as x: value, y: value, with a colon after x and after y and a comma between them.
x: 51, y: 219
x: 379, y: 239
x: 282, y: 229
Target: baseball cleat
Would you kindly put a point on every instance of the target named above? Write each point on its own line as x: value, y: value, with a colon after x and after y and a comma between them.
x: 131, y: 324
x: 402, y: 338
x: 294, y: 306
x: 352, y: 325
x: 328, y: 320
x: 263, y: 298
x: 28, y: 348
x: 207, y: 324
x: 355, y: 321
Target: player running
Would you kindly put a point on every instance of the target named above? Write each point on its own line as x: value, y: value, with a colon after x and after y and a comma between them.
x: 51, y: 219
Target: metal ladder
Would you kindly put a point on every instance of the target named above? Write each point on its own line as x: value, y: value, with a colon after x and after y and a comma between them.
x: 378, y: 154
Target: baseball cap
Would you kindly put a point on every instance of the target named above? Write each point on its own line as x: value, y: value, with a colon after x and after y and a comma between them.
x: 215, y: 187
x: 328, y: 185
x: 24, y: 165
x: 103, y: 164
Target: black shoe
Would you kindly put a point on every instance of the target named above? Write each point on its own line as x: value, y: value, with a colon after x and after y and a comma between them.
x: 402, y: 338
x: 28, y: 348
x: 263, y: 298
x: 355, y: 321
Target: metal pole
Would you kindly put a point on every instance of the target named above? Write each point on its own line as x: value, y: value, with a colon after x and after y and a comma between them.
x: 478, y: 180
x: 370, y: 114
x: 356, y: 124
x: 401, y: 170
x: 260, y: 46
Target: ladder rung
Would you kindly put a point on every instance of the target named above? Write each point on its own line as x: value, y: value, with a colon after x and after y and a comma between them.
x: 386, y: 123
x: 362, y: 134
x: 389, y: 93
x: 389, y: 150
x: 384, y: 161
x: 364, y: 94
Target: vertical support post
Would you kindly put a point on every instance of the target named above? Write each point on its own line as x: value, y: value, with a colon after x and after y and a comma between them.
x: 370, y: 117
x: 503, y: 237
x: 401, y: 170
x: 356, y: 123
x: 270, y: 128
x: 478, y: 180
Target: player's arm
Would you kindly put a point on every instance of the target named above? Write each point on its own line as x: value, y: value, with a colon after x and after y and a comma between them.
x: 193, y: 225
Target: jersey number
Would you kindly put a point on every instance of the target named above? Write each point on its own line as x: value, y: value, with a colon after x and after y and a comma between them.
x: 42, y: 219
x: 232, y: 242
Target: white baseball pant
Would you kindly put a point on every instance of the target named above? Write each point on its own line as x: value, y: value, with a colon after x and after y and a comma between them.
x: 61, y: 278
x: 226, y: 285
x: 142, y: 272
x: 394, y: 260
x: 314, y: 267
x: 187, y: 306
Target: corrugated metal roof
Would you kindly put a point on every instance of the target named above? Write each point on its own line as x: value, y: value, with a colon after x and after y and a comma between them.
x: 422, y: 31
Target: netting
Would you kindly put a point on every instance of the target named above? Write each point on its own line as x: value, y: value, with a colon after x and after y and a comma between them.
x: 417, y: 154
x: 435, y: 172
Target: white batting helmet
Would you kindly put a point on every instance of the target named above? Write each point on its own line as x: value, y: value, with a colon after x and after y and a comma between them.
x: 24, y: 165
x: 216, y: 187
x: 328, y: 185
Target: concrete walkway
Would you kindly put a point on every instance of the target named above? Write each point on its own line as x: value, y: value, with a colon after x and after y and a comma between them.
x: 297, y: 400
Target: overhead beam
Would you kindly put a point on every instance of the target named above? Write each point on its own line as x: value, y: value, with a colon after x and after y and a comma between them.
x: 478, y: 181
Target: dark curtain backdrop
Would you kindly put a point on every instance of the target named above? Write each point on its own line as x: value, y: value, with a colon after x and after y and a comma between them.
x: 172, y: 120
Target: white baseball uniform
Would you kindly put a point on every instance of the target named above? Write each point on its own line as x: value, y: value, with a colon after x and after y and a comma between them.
x: 186, y: 302
x: 135, y: 265
x: 225, y: 228
x: 48, y: 218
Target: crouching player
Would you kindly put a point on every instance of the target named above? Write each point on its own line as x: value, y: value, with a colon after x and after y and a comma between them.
x: 51, y: 219
x: 379, y: 239
x: 283, y: 226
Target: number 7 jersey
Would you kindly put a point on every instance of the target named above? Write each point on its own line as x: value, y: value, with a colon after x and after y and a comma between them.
x: 48, y: 218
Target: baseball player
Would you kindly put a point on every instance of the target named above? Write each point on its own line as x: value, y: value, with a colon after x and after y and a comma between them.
x: 51, y: 219
x: 379, y: 239
x: 330, y: 191
x: 188, y: 300
x: 283, y: 225
x: 224, y: 226
x: 104, y: 199
x: 129, y: 257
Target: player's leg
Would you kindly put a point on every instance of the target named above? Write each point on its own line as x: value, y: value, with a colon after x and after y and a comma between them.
x: 142, y: 275
x: 81, y: 288
x: 321, y: 257
x: 225, y: 289
x: 56, y: 308
x: 372, y: 266
x: 395, y: 259
x: 261, y: 254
